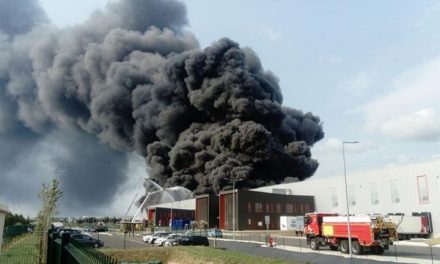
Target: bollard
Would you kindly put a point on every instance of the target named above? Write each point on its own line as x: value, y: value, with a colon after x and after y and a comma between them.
x: 395, y: 252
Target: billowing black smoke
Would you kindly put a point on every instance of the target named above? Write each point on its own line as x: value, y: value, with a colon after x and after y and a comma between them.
x: 135, y: 78
x: 20, y: 16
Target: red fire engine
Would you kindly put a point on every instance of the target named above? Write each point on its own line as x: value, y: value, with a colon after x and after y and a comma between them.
x: 368, y: 233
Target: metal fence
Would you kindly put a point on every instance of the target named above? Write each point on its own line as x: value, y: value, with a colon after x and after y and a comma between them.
x: 63, y: 250
x: 14, y: 231
x: 22, y: 248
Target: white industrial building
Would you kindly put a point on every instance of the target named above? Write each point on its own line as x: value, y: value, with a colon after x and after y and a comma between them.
x: 405, y: 189
x: 3, y: 211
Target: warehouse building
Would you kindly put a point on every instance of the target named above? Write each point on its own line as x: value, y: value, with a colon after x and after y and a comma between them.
x: 207, y: 210
x: 3, y: 211
x: 180, y: 213
x: 253, y: 210
x: 258, y: 210
x: 410, y: 190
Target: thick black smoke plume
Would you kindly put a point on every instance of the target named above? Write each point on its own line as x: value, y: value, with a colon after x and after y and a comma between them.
x: 133, y: 77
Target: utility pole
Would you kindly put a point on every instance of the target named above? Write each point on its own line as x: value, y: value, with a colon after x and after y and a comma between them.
x: 346, y: 196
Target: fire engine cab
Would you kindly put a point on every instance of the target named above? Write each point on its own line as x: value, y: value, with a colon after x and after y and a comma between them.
x: 368, y: 233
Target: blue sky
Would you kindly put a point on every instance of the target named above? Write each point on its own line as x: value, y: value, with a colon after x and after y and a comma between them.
x: 369, y: 69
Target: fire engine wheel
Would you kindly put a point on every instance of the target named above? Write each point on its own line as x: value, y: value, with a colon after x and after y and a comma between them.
x: 356, y: 248
x: 314, y: 244
x: 344, y: 246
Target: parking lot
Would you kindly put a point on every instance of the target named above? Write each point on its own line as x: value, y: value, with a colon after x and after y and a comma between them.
x: 288, y: 248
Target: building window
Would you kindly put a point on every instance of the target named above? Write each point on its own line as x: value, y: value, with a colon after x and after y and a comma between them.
x: 394, y: 191
x: 334, y: 196
x: 352, y: 195
x: 289, y: 208
x: 374, y: 195
x: 249, y: 221
x: 297, y: 208
x: 278, y: 208
x: 229, y: 206
x: 307, y: 208
x: 249, y: 207
x: 258, y: 207
x: 422, y: 185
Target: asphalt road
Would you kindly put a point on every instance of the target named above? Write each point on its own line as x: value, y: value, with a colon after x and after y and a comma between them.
x: 405, y: 254
x: 317, y: 258
x: 402, y: 251
x: 117, y: 240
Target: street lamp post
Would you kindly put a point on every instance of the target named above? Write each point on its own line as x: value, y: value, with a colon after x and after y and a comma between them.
x: 346, y: 196
x: 233, y: 204
x: 171, y: 219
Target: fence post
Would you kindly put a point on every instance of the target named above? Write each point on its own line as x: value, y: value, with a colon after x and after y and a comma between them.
x: 65, y: 239
x: 49, y: 252
x: 432, y: 256
x: 125, y: 238
x: 300, y: 245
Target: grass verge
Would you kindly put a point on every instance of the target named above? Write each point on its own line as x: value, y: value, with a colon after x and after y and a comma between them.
x: 23, y: 250
x: 190, y: 255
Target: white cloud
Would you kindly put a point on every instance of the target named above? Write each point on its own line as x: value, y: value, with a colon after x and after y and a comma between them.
x: 329, y: 155
x: 334, y: 145
x: 330, y: 59
x: 271, y: 33
x: 410, y: 110
x: 422, y: 125
x: 359, y: 84
x: 429, y: 17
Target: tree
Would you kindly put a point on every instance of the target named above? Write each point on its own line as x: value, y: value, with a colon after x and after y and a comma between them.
x: 49, y: 196
x: 15, y: 219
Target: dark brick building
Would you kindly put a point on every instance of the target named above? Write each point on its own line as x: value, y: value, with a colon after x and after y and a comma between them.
x: 260, y: 210
x: 207, y: 209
